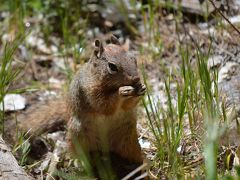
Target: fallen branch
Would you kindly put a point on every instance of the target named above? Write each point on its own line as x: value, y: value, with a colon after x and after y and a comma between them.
x: 229, y: 22
x: 9, y: 168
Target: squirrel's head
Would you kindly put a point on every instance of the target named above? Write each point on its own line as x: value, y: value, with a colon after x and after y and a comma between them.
x: 118, y: 67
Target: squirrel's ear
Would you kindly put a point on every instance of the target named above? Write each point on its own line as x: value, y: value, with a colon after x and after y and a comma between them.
x: 98, y: 48
x: 114, y: 40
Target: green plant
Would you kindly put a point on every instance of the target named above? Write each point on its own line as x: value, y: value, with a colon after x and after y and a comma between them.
x: 73, y: 41
x: 152, y: 28
x: 8, y: 73
x: 23, y: 148
x: 197, y: 102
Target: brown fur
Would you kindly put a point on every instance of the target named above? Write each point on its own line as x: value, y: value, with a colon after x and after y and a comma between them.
x: 51, y: 115
x: 38, y: 119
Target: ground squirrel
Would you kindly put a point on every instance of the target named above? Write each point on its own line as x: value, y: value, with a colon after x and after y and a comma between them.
x: 101, y: 106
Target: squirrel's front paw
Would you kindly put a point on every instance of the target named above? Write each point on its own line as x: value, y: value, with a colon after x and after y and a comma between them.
x: 141, y: 89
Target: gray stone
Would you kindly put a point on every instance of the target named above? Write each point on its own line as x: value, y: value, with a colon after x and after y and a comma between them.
x: 215, y: 61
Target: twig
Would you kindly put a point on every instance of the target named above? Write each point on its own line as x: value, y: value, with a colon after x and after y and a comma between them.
x: 194, y: 163
x: 152, y: 175
x: 135, y: 171
x: 229, y: 22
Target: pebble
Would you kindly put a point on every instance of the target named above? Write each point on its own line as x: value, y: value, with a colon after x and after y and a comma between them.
x: 13, y: 102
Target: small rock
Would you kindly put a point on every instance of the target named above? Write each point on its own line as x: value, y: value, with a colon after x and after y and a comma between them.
x: 57, y: 136
x: 7, y: 37
x: 53, y: 80
x: 237, y: 3
x: 144, y: 143
x: 108, y: 23
x: 45, y: 163
x: 210, y: 31
x: 24, y: 52
x: 233, y: 20
x: 59, y: 63
x: 47, y: 95
x: 215, y: 61
x: 13, y: 102
x: 231, y: 91
x: 227, y: 71
x: 38, y: 43
x: 179, y: 149
x: 54, y: 49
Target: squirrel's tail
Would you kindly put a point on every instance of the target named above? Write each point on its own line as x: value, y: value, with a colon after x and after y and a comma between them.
x: 40, y: 118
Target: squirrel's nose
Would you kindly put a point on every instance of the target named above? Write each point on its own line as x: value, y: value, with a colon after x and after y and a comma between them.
x: 135, y: 79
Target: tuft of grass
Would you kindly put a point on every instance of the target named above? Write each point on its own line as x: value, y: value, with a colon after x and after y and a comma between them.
x: 22, y: 147
x: 197, y: 103
x: 73, y: 42
x: 8, y: 74
x: 152, y: 28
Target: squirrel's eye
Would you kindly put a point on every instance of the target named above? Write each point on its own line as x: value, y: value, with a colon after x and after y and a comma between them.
x: 112, y: 68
